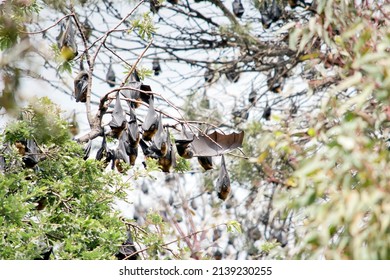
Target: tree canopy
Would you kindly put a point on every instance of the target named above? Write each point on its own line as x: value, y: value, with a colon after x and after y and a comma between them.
x: 244, y: 129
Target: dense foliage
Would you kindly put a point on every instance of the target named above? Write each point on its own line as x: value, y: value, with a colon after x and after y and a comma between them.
x: 64, y: 203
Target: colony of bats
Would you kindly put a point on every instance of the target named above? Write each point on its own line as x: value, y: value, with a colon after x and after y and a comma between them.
x: 134, y: 134
x: 154, y: 139
x: 150, y: 136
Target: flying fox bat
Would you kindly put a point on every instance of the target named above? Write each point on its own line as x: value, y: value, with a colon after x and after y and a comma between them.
x: 148, y: 150
x: 133, y: 153
x: 131, y: 149
x: 118, y: 121
x: 266, y: 19
x: 110, y: 76
x: 2, y: 163
x: 86, y: 29
x: 21, y: 146
x: 233, y: 76
x: 143, y: 95
x: 121, y: 153
x: 154, y: 6
x: 87, y: 149
x: 151, y: 122
x: 275, y: 82
x: 184, y: 148
x: 104, y: 153
x: 66, y: 41
x: 223, y: 181
x: 293, y: 3
x: 31, y: 158
x: 183, y: 144
x: 267, y: 112
x: 73, y: 125
x: 132, y: 129
x: 81, y: 85
x: 206, y: 162
x: 123, y: 150
x: 138, y: 91
x: 169, y: 160
x: 145, y: 188
x: 216, y: 143
x: 208, y: 76
x: 151, y: 150
x: 127, y: 251
x: 45, y: 255
x: 271, y: 14
x: 238, y: 8
x: 160, y: 138
x: 156, y: 66
x: 301, y: 3
x: 252, y: 96
x: 242, y: 114
x: 275, y: 11
x: 135, y: 83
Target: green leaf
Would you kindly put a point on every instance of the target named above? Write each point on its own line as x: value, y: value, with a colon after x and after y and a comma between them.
x: 233, y: 226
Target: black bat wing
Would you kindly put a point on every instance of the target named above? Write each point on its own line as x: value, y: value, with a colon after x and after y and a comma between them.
x: 275, y: 11
x: 121, y: 153
x: 87, y: 149
x: 132, y: 129
x: 233, y: 76
x: 156, y: 66
x: 252, y: 96
x: 150, y: 124
x: 31, y: 158
x: 2, y: 163
x: 149, y: 151
x: 144, y: 95
x: 118, y: 117
x: 110, y: 76
x: 161, y: 137
x: 133, y: 155
x: 102, y: 151
x: 69, y: 35
x: 171, y: 150
x: 127, y: 250
x: 81, y: 86
x: 60, y: 36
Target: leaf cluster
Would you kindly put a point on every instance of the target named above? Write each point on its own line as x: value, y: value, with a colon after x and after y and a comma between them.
x: 64, y: 204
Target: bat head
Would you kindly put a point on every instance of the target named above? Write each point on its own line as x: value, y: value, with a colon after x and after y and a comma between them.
x: 206, y: 162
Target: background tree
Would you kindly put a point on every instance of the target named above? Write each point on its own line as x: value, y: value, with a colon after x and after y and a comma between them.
x: 307, y: 82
